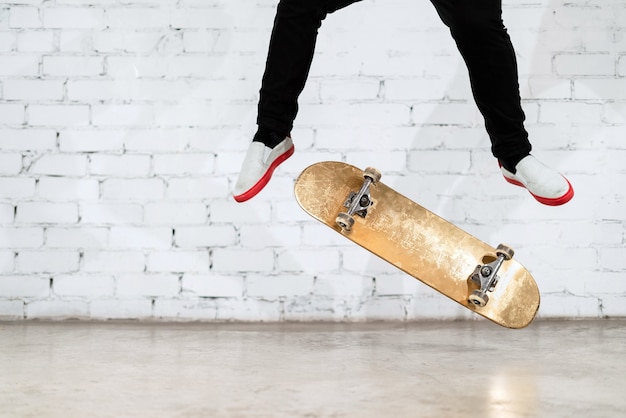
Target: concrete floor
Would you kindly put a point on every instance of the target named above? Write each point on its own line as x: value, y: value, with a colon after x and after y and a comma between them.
x: 434, y: 369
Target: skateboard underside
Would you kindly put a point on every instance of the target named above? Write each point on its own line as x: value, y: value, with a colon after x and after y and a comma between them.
x: 418, y: 242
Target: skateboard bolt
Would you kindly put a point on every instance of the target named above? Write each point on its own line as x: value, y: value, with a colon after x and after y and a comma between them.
x: 365, y: 202
x: 486, y: 271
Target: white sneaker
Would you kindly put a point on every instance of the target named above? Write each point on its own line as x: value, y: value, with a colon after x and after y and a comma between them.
x: 258, y: 166
x: 545, y: 184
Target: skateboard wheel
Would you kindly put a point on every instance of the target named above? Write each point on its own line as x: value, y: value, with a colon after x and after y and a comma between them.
x: 478, y: 299
x: 345, y: 221
x: 505, y: 251
x: 373, y: 174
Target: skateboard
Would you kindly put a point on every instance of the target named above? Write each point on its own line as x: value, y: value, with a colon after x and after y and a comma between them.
x: 485, y: 280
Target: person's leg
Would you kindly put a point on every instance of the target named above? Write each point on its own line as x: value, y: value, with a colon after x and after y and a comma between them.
x: 289, y: 57
x: 486, y: 48
x: 485, y: 45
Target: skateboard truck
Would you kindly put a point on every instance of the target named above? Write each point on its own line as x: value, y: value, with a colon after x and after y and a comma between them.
x: 358, y: 203
x: 486, y: 275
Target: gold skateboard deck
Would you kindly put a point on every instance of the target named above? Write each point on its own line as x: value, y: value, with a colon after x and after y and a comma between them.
x: 356, y: 204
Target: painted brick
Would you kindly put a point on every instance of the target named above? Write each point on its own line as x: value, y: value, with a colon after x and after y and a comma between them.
x: 16, y: 187
x: 92, y: 141
x: 156, y: 141
x: 57, y: 309
x: 73, y: 18
x: 11, y: 309
x: 20, y: 65
x: 102, y: 261
x: 77, y: 237
x: 383, y: 309
x: 7, y: 213
x: 83, y: 285
x: 58, y: 115
x: 35, y: 42
x: 133, y: 189
x: 27, y: 139
x: 24, y: 17
x: 213, y: 286
x: 570, y: 113
x: 7, y: 261
x: 185, y: 310
x: 120, y: 165
x: 59, y: 165
x: 33, y: 90
x: 205, y: 236
x: 397, y: 285
x: 613, y: 306
x: 159, y: 285
x: 566, y: 306
x: 74, y: 41
x: 120, y: 309
x: 57, y: 261
x: 175, y: 213
x: 110, y: 213
x: 7, y: 41
x: 231, y: 212
x: 122, y: 115
x: 585, y: 64
x: 12, y: 114
x: 10, y: 164
x: 436, y: 306
x: 137, y: 17
x: 178, y: 261
x: 15, y: 238
x: 259, y: 236
x: 343, y: 285
x: 272, y: 287
x: 208, y: 187
x: 68, y: 189
x: 45, y: 212
x: 242, y: 260
x: 70, y: 66
x: 184, y: 164
x: 140, y: 237
x: 125, y: 40
x: 24, y: 286
x: 309, y: 261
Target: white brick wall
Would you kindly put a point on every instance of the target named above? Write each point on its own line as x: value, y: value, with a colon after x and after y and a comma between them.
x: 123, y: 124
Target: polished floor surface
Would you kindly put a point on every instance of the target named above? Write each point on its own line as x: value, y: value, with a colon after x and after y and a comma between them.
x: 432, y: 369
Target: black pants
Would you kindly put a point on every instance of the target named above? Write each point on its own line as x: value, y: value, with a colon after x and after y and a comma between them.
x: 475, y: 25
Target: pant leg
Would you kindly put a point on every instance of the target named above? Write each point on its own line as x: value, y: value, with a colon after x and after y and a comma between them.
x: 485, y: 45
x: 291, y: 48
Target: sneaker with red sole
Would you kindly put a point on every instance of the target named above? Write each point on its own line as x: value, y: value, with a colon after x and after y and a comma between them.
x: 258, y: 166
x: 546, y: 185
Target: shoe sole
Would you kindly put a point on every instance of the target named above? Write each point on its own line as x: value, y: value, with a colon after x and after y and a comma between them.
x: 259, y: 185
x: 557, y: 201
